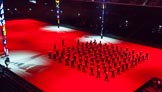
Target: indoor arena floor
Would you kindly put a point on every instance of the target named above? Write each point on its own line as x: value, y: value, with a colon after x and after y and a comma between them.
x: 29, y: 42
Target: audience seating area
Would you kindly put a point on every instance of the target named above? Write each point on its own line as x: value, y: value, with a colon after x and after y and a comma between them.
x: 153, y: 85
x: 135, y: 2
x: 10, y: 82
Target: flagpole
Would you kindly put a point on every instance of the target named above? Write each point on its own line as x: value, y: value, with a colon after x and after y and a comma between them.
x: 102, y: 18
x: 3, y: 29
x: 58, y: 12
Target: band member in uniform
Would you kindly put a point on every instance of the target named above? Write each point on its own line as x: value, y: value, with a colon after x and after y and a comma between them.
x: 72, y: 63
x: 54, y: 56
x: 86, y: 61
x: 83, y: 68
x: 133, y: 52
x: 127, y: 66
x: 60, y: 59
x: 80, y: 59
x: 79, y: 66
x: 118, y: 69
x: 123, y: 68
x: 98, y: 73
x: 49, y: 54
x: 78, y: 43
x: 91, y: 70
x: 146, y: 57
x: 7, y: 60
x: 106, y: 76
x: 63, y: 43
x: 54, y: 47
x: 105, y: 68
x: 112, y: 72
x: 67, y: 61
x: 98, y: 66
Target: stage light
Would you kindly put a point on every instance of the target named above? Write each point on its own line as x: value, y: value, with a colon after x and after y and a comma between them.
x: 78, y: 14
x: 15, y: 9
x: 45, y: 4
x: 57, y: 11
x: 33, y: 1
x: 51, y: 10
x: 30, y: 9
x: 8, y: 9
x: 159, y: 29
x: 58, y: 17
x: 126, y: 23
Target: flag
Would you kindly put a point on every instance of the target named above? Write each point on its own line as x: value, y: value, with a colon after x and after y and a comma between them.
x: 3, y: 28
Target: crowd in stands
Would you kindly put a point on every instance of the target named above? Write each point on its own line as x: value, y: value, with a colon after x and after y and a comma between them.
x: 97, y: 58
x: 135, y: 2
x: 153, y: 85
x: 10, y: 82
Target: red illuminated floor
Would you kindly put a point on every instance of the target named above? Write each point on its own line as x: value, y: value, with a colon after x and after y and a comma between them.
x: 26, y: 34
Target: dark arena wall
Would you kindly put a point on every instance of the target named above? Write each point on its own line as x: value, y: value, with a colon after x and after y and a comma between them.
x: 142, y: 21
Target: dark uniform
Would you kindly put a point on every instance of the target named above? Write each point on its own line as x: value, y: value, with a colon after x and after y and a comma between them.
x: 91, y: 70
x: 78, y: 42
x: 146, y: 56
x: 127, y: 66
x: 54, y: 56
x: 72, y: 63
x: 123, y: 68
x: 118, y: 70
x: 104, y: 68
x: 83, y: 68
x: 54, y: 47
x: 7, y: 60
x: 106, y: 76
x: 79, y: 66
x: 67, y: 61
x: 86, y: 61
x: 98, y: 73
x: 60, y: 59
x: 113, y: 73
x: 63, y: 43
x: 49, y: 54
x: 132, y: 63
